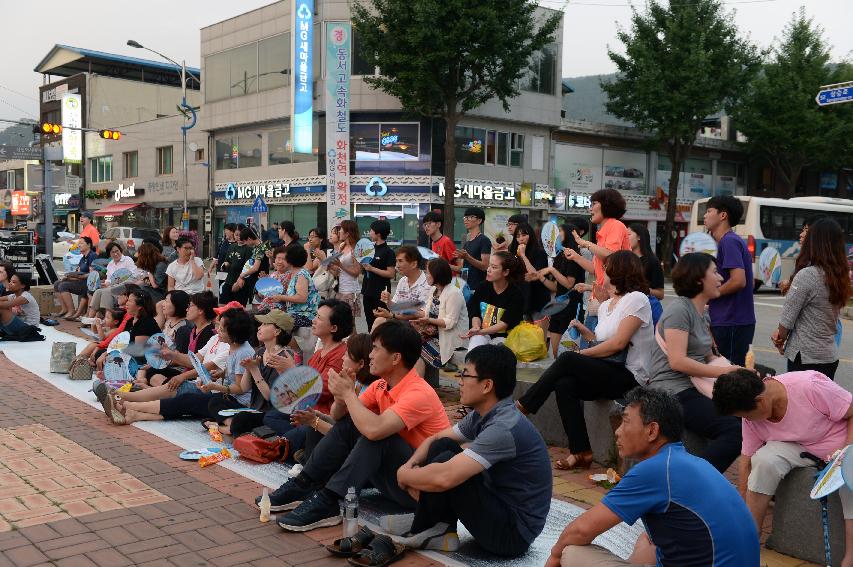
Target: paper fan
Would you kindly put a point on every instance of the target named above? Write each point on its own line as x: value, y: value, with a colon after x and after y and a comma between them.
x: 117, y: 369
x: 153, y: 346
x: 698, y: 242
x: 330, y: 258
x: 203, y: 373
x: 364, y: 251
x: 409, y: 307
x: 831, y: 478
x: 268, y: 286
x: 93, y: 281
x: 427, y: 253
x: 296, y: 388
x: 770, y: 266
x: 550, y: 235
x: 554, y: 306
x: 120, y: 341
x: 121, y: 275
x: 247, y: 266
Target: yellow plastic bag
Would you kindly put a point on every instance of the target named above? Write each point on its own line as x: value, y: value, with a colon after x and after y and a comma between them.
x: 527, y: 341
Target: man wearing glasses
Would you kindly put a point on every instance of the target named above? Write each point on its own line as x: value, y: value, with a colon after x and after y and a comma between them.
x: 499, y: 485
x: 476, y: 250
x: 187, y: 271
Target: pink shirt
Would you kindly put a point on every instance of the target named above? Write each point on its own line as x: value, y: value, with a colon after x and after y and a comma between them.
x: 814, y: 418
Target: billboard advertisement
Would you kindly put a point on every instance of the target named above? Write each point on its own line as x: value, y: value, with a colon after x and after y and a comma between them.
x: 302, y: 70
x: 72, y: 121
x: 338, y: 61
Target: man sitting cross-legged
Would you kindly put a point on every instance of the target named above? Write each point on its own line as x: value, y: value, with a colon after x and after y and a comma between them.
x: 499, y: 486
x: 374, y: 433
x: 692, y: 514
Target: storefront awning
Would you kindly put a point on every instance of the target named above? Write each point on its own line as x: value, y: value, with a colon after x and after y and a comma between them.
x: 115, y: 210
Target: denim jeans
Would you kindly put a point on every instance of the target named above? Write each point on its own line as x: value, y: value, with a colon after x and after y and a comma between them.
x: 733, y: 341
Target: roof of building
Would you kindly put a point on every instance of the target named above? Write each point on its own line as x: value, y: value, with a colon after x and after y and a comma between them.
x: 66, y: 60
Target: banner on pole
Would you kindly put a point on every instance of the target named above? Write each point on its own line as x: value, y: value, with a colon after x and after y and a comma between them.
x: 72, y: 121
x: 339, y: 60
x: 302, y: 73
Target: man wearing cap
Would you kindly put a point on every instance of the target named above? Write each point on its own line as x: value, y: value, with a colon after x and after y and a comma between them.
x: 476, y: 250
x: 88, y: 229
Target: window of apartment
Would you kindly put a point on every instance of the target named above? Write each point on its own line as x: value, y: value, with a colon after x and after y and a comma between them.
x: 101, y: 169
x: 470, y: 145
x: 274, y: 62
x: 386, y: 141
x: 279, y: 148
x: 491, y: 150
x: 231, y: 73
x: 516, y: 150
x: 199, y: 154
x: 541, y: 72
x: 239, y: 151
x: 131, y: 164
x: 361, y: 64
x: 503, y: 147
x: 164, y: 160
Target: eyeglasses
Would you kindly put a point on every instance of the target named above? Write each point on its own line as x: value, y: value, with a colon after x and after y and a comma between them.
x: 464, y: 375
x: 470, y: 217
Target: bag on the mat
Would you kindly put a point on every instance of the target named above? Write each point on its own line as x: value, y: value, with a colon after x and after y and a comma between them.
x: 262, y: 451
x: 61, y: 357
x: 527, y: 341
x: 80, y: 369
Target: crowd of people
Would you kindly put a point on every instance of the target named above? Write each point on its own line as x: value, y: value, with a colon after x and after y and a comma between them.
x: 379, y: 423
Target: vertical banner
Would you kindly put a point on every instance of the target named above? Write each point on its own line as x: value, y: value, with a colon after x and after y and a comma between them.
x: 72, y: 121
x: 302, y: 73
x: 338, y: 61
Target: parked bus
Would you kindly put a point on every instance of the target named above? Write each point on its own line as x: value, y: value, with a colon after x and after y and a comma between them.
x: 777, y: 223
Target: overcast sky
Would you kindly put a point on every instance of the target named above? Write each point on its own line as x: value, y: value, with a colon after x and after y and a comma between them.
x: 172, y: 27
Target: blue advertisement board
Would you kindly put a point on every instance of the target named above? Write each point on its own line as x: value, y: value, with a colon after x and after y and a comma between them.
x: 302, y: 66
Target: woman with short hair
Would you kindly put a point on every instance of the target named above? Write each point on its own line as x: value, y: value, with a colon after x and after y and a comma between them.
x: 445, y: 319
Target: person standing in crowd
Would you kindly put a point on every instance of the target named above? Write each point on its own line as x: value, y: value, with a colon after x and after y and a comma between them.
x: 88, y: 229
x: 186, y: 273
x: 820, y: 288
x: 511, y: 224
x: 475, y: 251
x: 783, y: 416
x: 348, y: 268
x: 497, y: 306
x: 228, y: 239
x: 316, y: 247
x: 440, y: 243
x: 692, y: 513
x: 378, y: 272
x: 641, y: 245
x: 412, y: 286
x: 733, y: 312
x: 18, y: 308
x: 617, y: 361
x: 561, y: 278
x: 684, y: 347
x: 169, y: 241
x: 530, y: 252
x: 75, y: 283
x: 374, y: 434
x: 804, y: 230
x: 499, y: 485
x: 287, y: 234
x: 244, y: 285
x: 271, y: 236
x: 238, y: 254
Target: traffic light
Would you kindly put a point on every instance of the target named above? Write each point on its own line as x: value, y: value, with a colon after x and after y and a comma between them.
x: 50, y: 128
x: 110, y: 134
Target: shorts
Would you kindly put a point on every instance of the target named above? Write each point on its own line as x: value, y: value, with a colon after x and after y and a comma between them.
x: 15, y: 326
x: 75, y: 287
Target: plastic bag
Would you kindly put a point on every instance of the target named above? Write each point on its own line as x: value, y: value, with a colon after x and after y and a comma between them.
x: 527, y: 341
x: 571, y: 339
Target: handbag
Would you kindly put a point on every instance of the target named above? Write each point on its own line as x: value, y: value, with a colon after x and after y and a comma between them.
x: 253, y: 448
x: 325, y: 282
x: 704, y: 384
x: 62, y: 356
x: 80, y: 369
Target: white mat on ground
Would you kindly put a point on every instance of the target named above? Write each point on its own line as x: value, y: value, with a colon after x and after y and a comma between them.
x: 188, y: 434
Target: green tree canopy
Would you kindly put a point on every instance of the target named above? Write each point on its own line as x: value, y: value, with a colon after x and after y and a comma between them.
x: 779, y: 116
x: 682, y: 62
x: 443, y: 58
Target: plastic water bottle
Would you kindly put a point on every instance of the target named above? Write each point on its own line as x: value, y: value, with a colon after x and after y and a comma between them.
x: 749, y: 362
x: 350, y: 513
x: 265, y: 506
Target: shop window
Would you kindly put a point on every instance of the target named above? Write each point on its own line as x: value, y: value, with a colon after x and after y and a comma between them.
x: 131, y: 164
x: 693, y: 165
x: 516, y: 150
x: 503, y: 147
x: 386, y: 141
x: 164, y: 160
x: 491, y: 150
x: 101, y: 169
x: 470, y: 145
x: 274, y: 62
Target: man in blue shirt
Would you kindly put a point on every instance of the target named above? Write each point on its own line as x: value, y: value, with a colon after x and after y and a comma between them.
x: 693, y: 516
x: 499, y: 485
x: 75, y: 282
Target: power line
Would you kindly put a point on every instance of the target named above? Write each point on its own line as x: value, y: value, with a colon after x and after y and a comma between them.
x: 31, y: 97
x: 27, y: 112
x: 631, y: 5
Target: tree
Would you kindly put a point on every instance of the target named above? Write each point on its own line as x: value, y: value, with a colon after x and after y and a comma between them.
x: 682, y: 63
x: 444, y: 58
x: 779, y: 116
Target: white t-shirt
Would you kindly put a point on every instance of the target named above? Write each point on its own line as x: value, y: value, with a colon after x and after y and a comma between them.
x: 29, y: 311
x: 183, y: 276
x: 634, y: 304
x: 215, y: 351
x: 346, y: 282
x: 420, y: 290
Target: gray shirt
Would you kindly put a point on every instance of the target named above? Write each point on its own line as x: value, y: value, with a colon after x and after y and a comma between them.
x: 810, y: 318
x: 29, y: 310
x: 680, y: 314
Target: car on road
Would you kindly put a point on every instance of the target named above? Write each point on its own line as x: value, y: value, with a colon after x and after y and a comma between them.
x: 129, y: 237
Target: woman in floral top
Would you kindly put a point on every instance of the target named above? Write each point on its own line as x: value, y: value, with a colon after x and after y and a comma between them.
x: 300, y: 295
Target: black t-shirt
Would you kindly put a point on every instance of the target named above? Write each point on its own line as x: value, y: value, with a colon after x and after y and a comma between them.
x: 476, y: 248
x: 653, y: 271
x: 258, y: 401
x: 236, y: 257
x: 536, y: 295
x: 182, y: 338
x: 570, y: 270
x: 492, y: 307
x: 144, y: 326
x: 383, y: 258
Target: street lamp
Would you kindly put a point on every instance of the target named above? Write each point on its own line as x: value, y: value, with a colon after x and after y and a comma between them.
x: 185, y: 218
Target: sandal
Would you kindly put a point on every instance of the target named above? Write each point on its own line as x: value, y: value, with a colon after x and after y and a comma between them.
x: 381, y: 551
x: 115, y: 416
x: 579, y: 461
x: 349, y: 546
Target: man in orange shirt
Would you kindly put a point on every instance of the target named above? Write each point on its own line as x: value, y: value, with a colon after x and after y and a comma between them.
x: 88, y: 229
x: 373, y: 436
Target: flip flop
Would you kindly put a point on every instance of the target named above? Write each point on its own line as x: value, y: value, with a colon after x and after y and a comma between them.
x: 349, y: 546
x: 381, y: 551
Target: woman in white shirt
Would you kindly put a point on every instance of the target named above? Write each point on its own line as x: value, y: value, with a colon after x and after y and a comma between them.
x: 187, y: 272
x: 101, y: 297
x: 616, y: 362
x: 445, y: 319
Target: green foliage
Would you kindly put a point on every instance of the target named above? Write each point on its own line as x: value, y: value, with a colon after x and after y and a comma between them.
x: 779, y: 116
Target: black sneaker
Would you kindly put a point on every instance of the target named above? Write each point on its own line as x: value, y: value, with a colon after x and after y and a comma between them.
x: 287, y: 496
x: 317, y: 511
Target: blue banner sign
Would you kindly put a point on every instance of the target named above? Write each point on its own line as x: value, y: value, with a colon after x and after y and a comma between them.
x: 302, y: 85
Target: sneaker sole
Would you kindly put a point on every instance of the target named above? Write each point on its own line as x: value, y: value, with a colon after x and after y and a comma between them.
x: 324, y: 523
x: 283, y: 507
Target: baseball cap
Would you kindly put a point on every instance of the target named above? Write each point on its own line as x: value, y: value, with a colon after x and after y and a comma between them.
x: 227, y: 306
x: 475, y: 212
x: 278, y: 318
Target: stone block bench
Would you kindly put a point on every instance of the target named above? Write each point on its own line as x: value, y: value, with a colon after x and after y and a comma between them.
x: 797, y: 526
